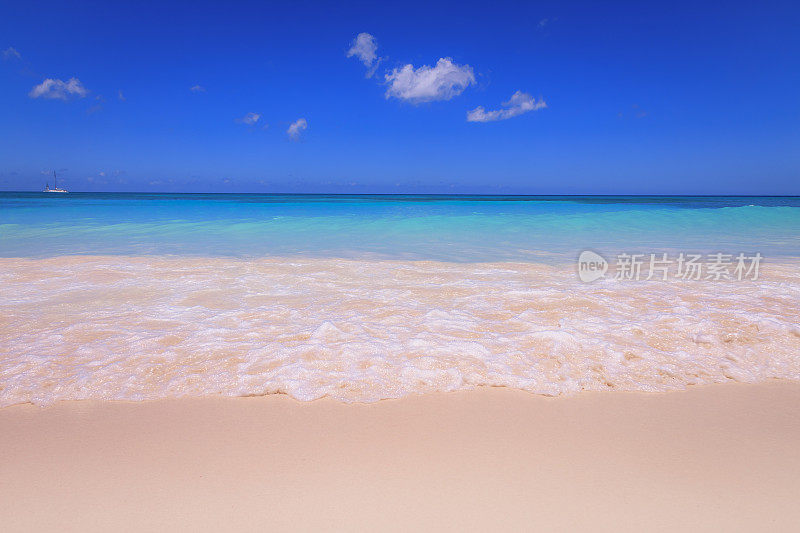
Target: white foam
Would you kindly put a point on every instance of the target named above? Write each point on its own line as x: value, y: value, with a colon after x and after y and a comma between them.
x: 134, y: 328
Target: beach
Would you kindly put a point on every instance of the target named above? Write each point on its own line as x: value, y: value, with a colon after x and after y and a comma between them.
x: 709, y: 458
x: 306, y: 266
x: 207, y: 362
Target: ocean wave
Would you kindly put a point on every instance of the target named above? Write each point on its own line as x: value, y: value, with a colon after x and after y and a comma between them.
x: 137, y: 328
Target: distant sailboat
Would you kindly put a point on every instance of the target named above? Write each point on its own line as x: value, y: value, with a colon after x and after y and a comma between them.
x: 55, y: 186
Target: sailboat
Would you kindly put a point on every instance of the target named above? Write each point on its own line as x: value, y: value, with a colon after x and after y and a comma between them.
x: 55, y: 186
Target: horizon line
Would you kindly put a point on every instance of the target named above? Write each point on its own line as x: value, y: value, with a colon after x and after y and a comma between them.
x: 551, y: 195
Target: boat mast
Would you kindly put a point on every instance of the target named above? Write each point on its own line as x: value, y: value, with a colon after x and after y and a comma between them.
x: 55, y: 185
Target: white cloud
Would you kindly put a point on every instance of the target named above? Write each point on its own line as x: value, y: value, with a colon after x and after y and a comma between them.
x: 364, y: 48
x: 427, y: 84
x: 120, y: 95
x: 296, y: 128
x: 58, y: 89
x: 11, y: 53
x: 250, y: 118
x: 518, y: 104
x: 197, y: 89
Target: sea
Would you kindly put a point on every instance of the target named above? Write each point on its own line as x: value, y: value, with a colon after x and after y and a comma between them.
x: 360, y: 298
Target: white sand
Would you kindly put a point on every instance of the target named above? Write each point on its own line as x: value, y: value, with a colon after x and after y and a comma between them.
x: 712, y: 458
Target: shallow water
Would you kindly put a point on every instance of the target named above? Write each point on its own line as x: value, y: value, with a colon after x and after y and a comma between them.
x: 444, y: 228
x: 120, y: 327
x: 360, y: 298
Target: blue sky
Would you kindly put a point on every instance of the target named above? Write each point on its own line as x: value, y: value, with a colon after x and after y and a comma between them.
x: 612, y: 98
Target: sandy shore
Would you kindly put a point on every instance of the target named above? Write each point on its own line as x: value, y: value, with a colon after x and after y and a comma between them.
x: 146, y: 328
x: 724, y: 456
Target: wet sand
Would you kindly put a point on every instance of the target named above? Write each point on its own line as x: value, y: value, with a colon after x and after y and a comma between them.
x: 710, y: 458
x: 148, y: 328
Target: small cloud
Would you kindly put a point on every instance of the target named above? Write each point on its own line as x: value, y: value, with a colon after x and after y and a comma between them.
x: 428, y: 84
x: 249, y: 119
x: 58, y: 89
x: 11, y: 53
x: 197, y: 89
x: 120, y: 95
x: 296, y: 129
x: 365, y: 48
x: 518, y: 104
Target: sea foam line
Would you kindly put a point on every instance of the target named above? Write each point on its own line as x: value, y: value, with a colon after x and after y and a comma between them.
x: 135, y: 328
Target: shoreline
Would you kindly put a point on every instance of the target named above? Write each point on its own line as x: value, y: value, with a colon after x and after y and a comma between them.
x: 709, y: 457
x: 135, y: 329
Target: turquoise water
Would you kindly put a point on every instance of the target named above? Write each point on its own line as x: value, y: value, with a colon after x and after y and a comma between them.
x: 192, y: 319
x: 450, y: 228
